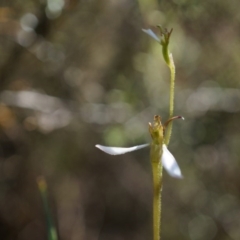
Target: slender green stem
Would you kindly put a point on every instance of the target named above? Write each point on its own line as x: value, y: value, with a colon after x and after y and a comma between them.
x: 169, y: 61
x: 157, y: 188
x: 171, y: 97
x: 156, y: 152
x: 157, y: 134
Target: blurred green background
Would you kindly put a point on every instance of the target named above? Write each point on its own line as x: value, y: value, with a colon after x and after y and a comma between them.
x: 75, y: 73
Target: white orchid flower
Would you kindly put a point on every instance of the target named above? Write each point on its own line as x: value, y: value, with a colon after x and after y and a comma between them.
x: 164, y: 34
x: 159, y: 150
x: 151, y: 34
x: 168, y: 160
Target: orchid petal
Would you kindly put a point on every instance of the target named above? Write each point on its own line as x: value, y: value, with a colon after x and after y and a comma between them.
x: 151, y: 34
x: 170, y: 163
x: 120, y: 150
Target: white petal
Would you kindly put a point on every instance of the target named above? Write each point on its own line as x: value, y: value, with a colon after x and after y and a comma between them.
x: 151, y: 34
x: 170, y: 163
x: 120, y: 150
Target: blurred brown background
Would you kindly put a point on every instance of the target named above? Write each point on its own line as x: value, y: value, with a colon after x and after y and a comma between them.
x: 75, y: 73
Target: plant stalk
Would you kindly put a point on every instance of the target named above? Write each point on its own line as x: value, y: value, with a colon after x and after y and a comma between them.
x: 157, y: 189
x: 156, y: 152
x: 171, y: 97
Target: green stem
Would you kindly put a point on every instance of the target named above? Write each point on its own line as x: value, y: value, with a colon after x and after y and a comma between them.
x: 171, y: 97
x: 157, y: 189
